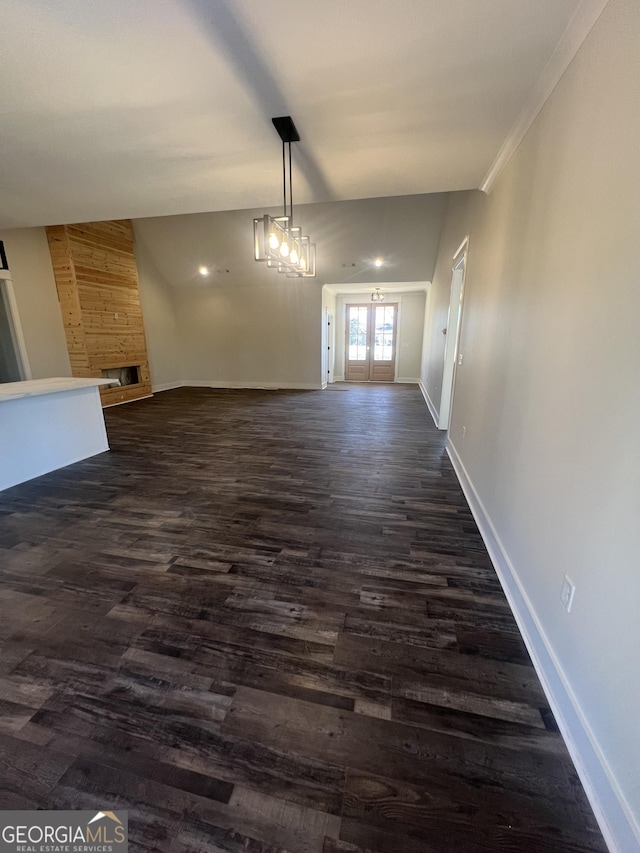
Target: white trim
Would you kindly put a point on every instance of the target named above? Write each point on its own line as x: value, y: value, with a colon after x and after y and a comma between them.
x: 342, y: 289
x: 452, y: 343
x: 614, y: 815
x: 16, y: 325
x: 407, y: 380
x: 166, y: 386
x: 398, y: 326
x: 390, y: 298
x: 570, y: 42
x: 253, y: 386
x: 324, y: 386
x: 462, y: 249
x: 429, y: 402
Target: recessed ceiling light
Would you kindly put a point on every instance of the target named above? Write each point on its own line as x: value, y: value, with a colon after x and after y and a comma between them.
x: 203, y: 270
x: 378, y: 262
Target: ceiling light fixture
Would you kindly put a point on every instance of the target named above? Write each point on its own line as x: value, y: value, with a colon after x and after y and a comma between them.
x: 276, y: 240
x: 203, y: 270
x: 376, y: 296
x: 378, y: 262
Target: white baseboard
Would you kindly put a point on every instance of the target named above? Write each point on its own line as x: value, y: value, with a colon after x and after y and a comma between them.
x: 617, y: 822
x: 429, y: 402
x: 408, y: 380
x: 166, y: 386
x: 252, y: 386
x: 265, y: 386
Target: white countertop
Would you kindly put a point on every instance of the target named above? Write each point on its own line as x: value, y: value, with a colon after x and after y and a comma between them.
x: 53, y: 385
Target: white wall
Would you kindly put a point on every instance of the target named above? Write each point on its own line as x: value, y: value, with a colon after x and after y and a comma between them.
x: 410, y: 327
x: 246, y: 325
x: 37, y: 301
x: 252, y: 336
x: 160, y: 322
x: 243, y: 325
x: 550, y: 398
x: 410, y: 334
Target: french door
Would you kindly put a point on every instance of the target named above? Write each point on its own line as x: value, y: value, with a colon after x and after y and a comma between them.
x: 370, y: 352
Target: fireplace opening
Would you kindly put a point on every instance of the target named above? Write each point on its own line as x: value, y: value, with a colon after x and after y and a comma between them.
x: 126, y: 375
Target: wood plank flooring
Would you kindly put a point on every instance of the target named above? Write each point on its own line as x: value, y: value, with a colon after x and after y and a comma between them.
x: 266, y: 621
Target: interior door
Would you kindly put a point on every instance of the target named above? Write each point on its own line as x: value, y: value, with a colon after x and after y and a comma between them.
x: 371, y: 342
x: 452, y: 356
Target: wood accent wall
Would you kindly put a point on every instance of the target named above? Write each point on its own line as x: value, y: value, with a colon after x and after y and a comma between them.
x: 95, y: 271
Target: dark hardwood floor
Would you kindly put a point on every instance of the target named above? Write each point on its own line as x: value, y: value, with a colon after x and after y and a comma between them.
x: 266, y: 621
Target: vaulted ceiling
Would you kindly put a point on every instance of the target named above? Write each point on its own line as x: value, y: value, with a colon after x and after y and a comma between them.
x: 154, y: 107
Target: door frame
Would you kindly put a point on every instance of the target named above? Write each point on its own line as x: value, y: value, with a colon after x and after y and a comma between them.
x: 371, y: 306
x: 328, y: 348
x: 7, y: 295
x: 452, y: 354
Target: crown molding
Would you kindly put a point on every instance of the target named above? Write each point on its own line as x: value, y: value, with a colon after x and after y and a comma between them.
x: 340, y: 288
x: 570, y: 42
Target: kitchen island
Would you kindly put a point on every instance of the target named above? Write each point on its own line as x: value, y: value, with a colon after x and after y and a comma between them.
x: 46, y: 424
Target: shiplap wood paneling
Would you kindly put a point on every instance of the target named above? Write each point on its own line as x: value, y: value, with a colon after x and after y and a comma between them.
x: 97, y: 280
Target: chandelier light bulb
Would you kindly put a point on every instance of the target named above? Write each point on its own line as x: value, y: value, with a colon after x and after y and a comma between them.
x: 273, y: 240
x: 284, y: 248
x: 293, y: 257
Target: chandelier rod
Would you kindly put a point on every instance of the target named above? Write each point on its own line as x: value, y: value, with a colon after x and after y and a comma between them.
x: 290, y: 189
x: 284, y: 181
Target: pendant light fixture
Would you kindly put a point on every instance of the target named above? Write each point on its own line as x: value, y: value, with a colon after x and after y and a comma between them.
x: 377, y: 296
x: 276, y: 239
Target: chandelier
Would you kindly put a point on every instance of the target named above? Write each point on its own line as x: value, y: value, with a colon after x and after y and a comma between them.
x: 376, y: 296
x: 276, y: 239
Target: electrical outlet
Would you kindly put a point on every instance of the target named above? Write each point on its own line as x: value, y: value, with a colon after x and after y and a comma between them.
x: 460, y: 359
x: 567, y: 593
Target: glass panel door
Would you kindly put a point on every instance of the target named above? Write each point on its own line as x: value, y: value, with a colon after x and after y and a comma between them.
x: 383, y: 363
x: 370, y: 343
x: 358, y: 328
x: 357, y: 350
x: 384, y: 327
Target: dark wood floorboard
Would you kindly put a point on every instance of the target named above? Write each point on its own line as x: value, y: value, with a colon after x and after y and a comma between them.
x: 266, y: 622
